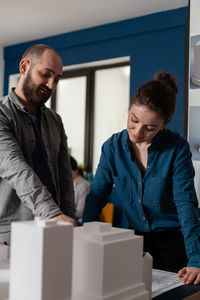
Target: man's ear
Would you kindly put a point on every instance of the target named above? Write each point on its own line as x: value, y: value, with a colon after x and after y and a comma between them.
x: 24, y: 66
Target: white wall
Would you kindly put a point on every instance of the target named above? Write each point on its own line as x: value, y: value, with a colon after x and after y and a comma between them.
x: 1, y: 71
x: 13, y: 79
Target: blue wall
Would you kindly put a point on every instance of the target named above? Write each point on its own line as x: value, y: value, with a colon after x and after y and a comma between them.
x: 154, y: 43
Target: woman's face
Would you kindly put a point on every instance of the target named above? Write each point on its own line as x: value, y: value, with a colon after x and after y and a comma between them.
x: 143, y: 124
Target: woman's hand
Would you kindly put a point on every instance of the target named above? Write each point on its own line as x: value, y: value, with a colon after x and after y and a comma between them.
x: 189, y: 275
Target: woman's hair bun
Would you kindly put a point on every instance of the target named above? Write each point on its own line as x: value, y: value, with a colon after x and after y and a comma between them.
x: 168, y: 79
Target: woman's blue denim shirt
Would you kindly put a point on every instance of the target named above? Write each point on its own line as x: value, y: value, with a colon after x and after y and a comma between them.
x: 164, y: 197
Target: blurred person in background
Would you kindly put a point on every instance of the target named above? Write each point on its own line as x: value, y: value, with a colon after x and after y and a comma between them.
x: 81, y: 189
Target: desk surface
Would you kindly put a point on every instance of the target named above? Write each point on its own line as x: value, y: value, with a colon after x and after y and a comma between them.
x: 179, y: 293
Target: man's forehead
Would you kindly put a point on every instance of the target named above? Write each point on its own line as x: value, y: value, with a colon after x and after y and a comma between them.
x: 51, y: 62
x: 59, y: 74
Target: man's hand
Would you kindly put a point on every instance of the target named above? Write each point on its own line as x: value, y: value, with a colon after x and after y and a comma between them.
x: 189, y: 275
x: 64, y: 218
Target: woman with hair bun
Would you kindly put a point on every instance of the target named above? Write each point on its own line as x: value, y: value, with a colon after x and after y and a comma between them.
x: 151, y: 169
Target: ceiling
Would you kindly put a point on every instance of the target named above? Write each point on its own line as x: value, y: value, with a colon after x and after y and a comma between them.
x: 25, y: 20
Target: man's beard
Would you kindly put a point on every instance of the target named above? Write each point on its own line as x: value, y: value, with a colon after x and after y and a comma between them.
x: 36, y: 95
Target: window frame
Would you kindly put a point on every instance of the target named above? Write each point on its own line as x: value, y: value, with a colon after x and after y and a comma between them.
x: 89, y: 73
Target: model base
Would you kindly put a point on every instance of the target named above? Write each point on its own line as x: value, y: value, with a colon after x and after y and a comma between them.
x: 137, y: 292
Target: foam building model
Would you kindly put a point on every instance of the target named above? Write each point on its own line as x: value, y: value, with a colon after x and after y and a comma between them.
x: 107, y: 264
x: 41, y: 260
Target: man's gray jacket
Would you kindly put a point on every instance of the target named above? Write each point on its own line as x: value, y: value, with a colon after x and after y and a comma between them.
x: 22, y: 194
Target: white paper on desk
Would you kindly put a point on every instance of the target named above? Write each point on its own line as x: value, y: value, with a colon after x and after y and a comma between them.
x: 163, y: 281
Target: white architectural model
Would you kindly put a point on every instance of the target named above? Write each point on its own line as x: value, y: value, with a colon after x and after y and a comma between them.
x: 107, y: 264
x: 41, y: 260
x: 147, y: 272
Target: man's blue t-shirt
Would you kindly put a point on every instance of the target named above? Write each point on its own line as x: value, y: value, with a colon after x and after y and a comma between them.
x: 39, y: 157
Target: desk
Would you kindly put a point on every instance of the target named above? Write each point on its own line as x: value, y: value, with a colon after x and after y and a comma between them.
x: 179, y: 293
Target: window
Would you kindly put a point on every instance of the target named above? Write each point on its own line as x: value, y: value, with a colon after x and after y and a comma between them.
x: 93, y: 103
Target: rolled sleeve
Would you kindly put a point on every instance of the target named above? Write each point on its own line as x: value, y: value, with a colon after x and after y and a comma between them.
x: 186, y: 202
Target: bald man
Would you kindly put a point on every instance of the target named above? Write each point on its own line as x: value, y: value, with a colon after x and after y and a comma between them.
x: 35, y: 172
